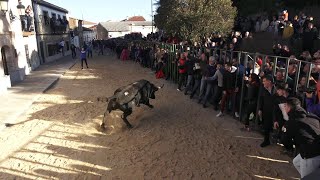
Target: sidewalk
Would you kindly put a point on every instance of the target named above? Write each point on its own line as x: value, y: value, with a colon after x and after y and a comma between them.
x: 19, y: 98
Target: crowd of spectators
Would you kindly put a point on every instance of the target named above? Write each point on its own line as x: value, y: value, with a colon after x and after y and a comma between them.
x: 262, y: 89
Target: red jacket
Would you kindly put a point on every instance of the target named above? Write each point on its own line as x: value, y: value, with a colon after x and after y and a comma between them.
x: 182, y: 66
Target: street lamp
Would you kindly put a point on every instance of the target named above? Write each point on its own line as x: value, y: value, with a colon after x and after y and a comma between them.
x: 21, y: 9
x: 4, y: 6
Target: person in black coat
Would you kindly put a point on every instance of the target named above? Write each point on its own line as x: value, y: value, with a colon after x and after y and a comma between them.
x: 304, y: 129
x: 266, y: 108
x: 251, y: 97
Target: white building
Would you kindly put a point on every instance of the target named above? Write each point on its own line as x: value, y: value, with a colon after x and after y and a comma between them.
x: 107, y: 30
x: 51, y: 27
x: 19, y: 53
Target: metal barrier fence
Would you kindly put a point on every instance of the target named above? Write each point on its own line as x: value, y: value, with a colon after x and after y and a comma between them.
x: 243, y: 61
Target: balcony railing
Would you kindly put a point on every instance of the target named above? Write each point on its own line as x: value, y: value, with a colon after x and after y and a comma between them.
x: 52, y: 26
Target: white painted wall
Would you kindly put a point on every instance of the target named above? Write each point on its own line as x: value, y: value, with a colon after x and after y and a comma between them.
x: 89, y: 35
x: 145, y: 30
x: 41, y: 8
x: 118, y: 34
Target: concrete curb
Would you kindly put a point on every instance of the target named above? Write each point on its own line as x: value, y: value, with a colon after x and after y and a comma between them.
x: 50, y: 86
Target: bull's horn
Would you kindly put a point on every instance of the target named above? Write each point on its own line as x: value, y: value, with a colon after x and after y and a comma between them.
x: 161, y: 86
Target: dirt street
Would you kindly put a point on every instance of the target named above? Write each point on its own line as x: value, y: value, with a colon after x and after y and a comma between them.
x: 59, y: 136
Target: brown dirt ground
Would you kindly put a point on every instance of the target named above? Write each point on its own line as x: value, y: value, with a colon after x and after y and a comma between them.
x: 59, y: 137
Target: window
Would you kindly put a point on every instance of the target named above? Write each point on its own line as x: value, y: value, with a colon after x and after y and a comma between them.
x: 52, y: 49
x: 59, y: 17
x: 54, y: 16
x: 45, y: 17
x: 67, y: 44
x: 64, y: 18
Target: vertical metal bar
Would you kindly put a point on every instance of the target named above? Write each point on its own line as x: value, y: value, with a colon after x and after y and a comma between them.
x: 309, y: 75
x: 275, y: 66
x: 296, y: 82
x: 243, y: 86
x: 286, y: 70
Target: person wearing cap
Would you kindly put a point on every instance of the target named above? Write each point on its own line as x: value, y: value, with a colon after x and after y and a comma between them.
x: 266, y: 108
x: 304, y: 129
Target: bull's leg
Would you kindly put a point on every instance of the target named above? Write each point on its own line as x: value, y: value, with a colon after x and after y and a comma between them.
x: 124, y: 118
x: 148, y: 104
x: 104, y: 119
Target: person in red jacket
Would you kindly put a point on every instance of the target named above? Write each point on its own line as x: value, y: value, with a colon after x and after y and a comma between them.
x: 182, y: 70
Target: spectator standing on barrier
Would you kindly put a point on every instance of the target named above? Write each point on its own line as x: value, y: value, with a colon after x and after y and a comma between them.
x: 229, y: 82
x: 182, y: 70
x: 304, y: 129
x: 266, y: 108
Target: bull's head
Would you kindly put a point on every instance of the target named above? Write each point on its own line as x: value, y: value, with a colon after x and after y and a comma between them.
x: 153, y: 89
x: 112, y: 104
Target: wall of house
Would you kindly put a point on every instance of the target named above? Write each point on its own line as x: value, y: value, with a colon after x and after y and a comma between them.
x: 88, y: 36
x: 102, y: 33
x: 145, y: 30
x: 47, y: 40
x: 13, y: 54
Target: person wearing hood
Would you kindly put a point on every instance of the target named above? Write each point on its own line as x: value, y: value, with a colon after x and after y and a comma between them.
x: 304, y: 129
x: 229, y: 83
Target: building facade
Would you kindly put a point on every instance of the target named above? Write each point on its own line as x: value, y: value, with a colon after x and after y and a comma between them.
x: 52, y: 27
x: 107, y: 30
x: 17, y: 43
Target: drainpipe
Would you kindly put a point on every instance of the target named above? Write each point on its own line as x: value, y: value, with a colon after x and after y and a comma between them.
x: 35, y: 11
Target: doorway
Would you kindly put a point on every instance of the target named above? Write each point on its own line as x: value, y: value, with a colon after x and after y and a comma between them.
x: 4, y: 61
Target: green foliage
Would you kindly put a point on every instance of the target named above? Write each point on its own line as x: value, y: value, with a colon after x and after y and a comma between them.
x: 193, y: 19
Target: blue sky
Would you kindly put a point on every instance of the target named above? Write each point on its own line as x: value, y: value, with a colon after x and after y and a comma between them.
x: 104, y: 10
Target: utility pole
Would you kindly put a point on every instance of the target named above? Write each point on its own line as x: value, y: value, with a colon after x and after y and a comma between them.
x: 152, y: 15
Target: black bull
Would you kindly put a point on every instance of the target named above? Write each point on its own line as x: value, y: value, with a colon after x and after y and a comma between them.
x: 126, y: 97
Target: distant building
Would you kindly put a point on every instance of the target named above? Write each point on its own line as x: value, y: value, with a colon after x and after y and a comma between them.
x: 88, y: 30
x: 107, y: 30
x: 135, y: 18
x: 51, y: 27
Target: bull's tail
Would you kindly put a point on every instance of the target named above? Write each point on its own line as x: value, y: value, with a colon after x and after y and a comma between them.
x: 160, y: 87
x: 9, y: 124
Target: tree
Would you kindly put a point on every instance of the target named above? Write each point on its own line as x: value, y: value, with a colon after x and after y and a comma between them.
x: 192, y: 19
